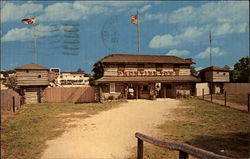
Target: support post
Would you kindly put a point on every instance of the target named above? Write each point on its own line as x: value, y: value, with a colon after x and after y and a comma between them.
x: 211, y: 97
x: 13, y: 104
x: 225, y: 96
x: 203, y: 93
x: 139, y: 149
x: 183, y: 155
x: 165, y: 91
x: 248, y: 102
x: 137, y: 92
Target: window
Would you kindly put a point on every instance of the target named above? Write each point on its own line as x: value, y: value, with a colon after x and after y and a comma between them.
x: 39, y: 76
x: 140, y: 67
x: 27, y: 71
x: 218, y: 72
x: 112, y: 88
x: 224, y: 74
x: 176, y: 67
x: 158, y: 67
x: 145, y: 88
x: 121, y: 67
x: 168, y: 86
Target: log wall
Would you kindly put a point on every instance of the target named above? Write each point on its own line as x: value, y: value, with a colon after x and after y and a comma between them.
x: 112, y: 70
x: 32, y: 77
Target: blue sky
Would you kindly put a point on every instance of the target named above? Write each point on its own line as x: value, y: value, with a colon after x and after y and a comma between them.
x: 178, y: 28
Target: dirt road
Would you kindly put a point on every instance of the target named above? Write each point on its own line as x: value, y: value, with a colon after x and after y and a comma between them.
x: 110, y: 134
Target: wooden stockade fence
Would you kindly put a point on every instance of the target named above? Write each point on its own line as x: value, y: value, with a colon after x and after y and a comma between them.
x: 184, y: 149
x: 69, y: 95
x: 10, y: 100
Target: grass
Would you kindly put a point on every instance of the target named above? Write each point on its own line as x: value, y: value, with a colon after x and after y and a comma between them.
x: 234, y: 98
x: 24, y: 135
x: 205, y: 125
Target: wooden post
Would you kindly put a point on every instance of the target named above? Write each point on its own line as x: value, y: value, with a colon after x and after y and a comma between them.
x: 203, y: 93
x: 225, y: 93
x: 139, y: 149
x: 13, y: 104
x: 211, y: 97
x: 248, y: 102
x: 165, y: 91
x: 183, y: 155
x: 137, y: 91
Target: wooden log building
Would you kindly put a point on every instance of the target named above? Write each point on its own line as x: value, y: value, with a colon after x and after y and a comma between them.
x: 128, y: 76
x: 216, y: 77
x: 32, y: 80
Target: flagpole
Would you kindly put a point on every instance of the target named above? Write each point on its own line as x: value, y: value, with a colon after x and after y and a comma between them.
x: 210, y: 48
x: 138, y: 32
x: 34, y: 51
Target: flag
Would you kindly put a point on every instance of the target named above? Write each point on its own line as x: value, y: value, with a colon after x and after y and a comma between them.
x: 134, y: 19
x: 29, y: 21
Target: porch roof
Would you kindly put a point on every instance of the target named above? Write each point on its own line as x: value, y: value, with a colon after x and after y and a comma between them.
x: 185, y: 78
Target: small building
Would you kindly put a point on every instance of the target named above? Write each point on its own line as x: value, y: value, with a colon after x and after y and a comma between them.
x: 216, y: 77
x: 72, y: 79
x: 128, y: 76
x: 32, y: 80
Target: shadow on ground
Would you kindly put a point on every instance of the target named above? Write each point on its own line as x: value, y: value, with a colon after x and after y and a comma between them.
x: 236, y: 145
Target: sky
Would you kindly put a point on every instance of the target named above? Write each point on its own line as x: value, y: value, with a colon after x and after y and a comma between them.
x: 76, y: 34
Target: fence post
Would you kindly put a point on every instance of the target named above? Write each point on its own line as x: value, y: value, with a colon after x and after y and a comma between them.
x: 225, y: 96
x: 248, y: 102
x: 183, y: 155
x: 140, y: 149
x: 203, y: 93
x: 13, y: 104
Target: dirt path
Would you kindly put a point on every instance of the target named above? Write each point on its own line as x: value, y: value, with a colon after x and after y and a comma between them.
x: 110, y: 134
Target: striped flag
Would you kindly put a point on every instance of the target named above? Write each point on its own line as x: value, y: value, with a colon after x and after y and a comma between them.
x: 134, y: 19
x: 29, y: 21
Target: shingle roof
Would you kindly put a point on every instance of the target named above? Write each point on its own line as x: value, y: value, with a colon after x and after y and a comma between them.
x: 185, y: 78
x: 130, y: 58
x: 214, y: 68
x: 32, y: 67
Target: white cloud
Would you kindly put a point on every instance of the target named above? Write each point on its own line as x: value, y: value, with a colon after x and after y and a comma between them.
x: 215, y: 52
x: 194, y: 33
x: 63, y: 11
x: 145, y: 8
x: 228, y: 28
x: 228, y: 11
x: 222, y: 18
x: 163, y: 41
x: 162, y: 17
x: 178, y: 52
x: 26, y: 34
x: 16, y: 12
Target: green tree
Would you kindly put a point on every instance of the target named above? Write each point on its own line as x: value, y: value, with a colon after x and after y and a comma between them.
x: 241, y: 71
x: 98, y: 70
x: 11, y: 82
x: 193, y: 71
x: 80, y: 70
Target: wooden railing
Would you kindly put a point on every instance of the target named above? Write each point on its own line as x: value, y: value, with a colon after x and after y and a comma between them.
x: 184, y: 149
